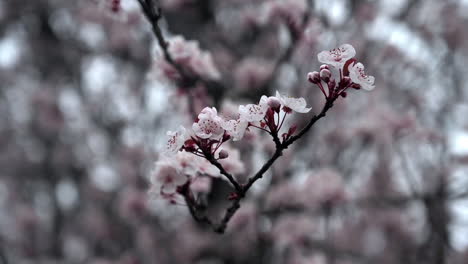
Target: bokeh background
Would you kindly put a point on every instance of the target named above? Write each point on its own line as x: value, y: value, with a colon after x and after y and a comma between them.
x: 84, y: 111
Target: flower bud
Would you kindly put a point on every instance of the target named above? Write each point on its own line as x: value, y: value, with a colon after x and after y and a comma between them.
x: 343, y: 94
x: 325, y: 75
x: 314, y: 77
x: 274, y: 103
x: 324, y: 66
x: 356, y: 86
x: 223, y: 154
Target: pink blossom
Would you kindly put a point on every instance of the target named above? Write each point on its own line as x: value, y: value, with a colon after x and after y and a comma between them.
x: 209, y: 125
x: 166, y: 177
x: 188, y: 54
x: 295, y: 104
x: 235, y: 128
x: 337, y: 57
x: 252, y: 112
x: 176, y: 140
x: 358, y: 76
x: 204, y: 66
x: 272, y: 101
x: 192, y: 166
x: 201, y: 184
x: 181, y: 50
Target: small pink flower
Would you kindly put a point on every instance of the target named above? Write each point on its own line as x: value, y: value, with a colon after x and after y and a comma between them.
x: 167, y: 176
x: 188, y: 54
x: 295, y: 104
x: 337, y: 57
x: 273, y: 102
x: 358, y: 76
x: 176, y: 140
x: 235, y: 128
x: 252, y: 112
x: 201, y: 184
x: 209, y: 125
x: 181, y: 50
x: 204, y: 66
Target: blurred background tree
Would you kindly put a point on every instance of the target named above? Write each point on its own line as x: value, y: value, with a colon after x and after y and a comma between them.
x: 84, y: 111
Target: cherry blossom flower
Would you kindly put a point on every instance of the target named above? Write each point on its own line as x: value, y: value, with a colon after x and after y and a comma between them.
x: 252, y: 112
x: 182, y: 50
x: 187, y: 163
x: 193, y: 166
x: 201, y: 184
x: 208, y: 112
x: 204, y: 66
x: 337, y: 57
x: 235, y: 128
x: 272, y: 101
x: 187, y: 54
x: 358, y: 76
x: 209, y: 125
x: 176, y: 140
x: 167, y: 176
x: 294, y: 104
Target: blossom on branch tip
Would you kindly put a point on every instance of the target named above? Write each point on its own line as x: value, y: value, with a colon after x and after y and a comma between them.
x: 167, y: 177
x: 337, y: 57
x: 252, y: 112
x: 294, y: 104
x: 358, y: 76
x: 273, y: 102
x: 209, y: 124
x: 176, y: 140
x: 235, y: 128
x: 313, y: 77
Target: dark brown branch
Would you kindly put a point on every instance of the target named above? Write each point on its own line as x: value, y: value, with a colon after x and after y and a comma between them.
x: 278, y: 152
x: 153, y: 15
x: 218, y: 165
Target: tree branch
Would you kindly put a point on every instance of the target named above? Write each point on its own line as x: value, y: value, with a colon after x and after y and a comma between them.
x: 221, y: 227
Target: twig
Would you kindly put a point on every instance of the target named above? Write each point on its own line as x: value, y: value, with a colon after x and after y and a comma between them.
x: 218, y: 165
x: 153, y: 15
x: 240, y: 193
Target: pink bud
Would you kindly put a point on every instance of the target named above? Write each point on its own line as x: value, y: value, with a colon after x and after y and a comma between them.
x: 343, y: 94
x: 223, y: 154
x: 325, y: 75
x: 314, y: 77
x: 274, y: 103
x: 292, y: 130
x: 324, y: 66
x: 356, y: 86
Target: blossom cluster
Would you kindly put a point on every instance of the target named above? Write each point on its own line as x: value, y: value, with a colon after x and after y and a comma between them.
x: 189, y: 150
x: 187, y: 53
x: 197, y: 154
x: 351, y: 72
x: 173, y: 171
x: 211, y: 130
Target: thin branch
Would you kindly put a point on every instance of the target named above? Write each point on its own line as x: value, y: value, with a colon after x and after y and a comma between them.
x: 218, y: 165
x: 278, y: 153
x: 153, y: 15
